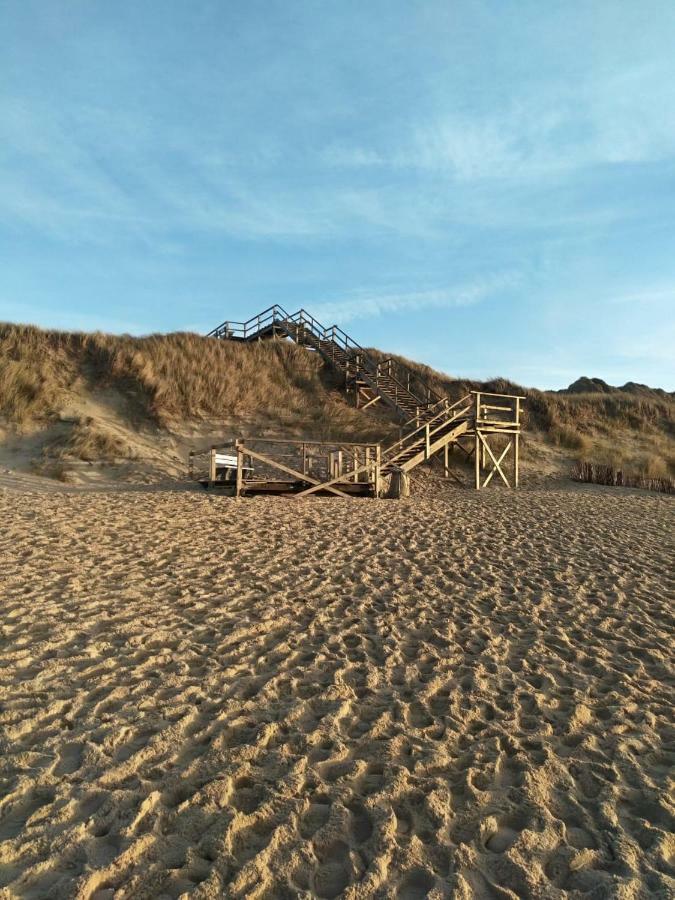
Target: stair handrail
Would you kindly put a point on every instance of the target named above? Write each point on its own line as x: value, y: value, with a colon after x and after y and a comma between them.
x: 430, y: 410
x: 426, y: 435
x: 423, y: 398
x: 365, y: 362
x: 414, y: 384
x: 273, y: 313
x: 441, y: 414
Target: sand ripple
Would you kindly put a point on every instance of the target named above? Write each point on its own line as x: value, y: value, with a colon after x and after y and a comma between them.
x: 461, y: 697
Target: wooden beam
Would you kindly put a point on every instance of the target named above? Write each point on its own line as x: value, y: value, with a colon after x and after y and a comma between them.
x: 212, y: 465
x: 289, y: 471
x: 327, y: 485
x: 375, y: 399
x: 477, y: 460
x: 378, y: 471
x: 240, y: 470
x: 499, y: 461
x: 496, y: 464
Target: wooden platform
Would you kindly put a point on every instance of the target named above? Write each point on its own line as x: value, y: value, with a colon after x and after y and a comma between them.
x: 251, y: 487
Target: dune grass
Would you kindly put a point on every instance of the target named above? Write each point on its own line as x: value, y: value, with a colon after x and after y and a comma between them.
x: 179, y: 377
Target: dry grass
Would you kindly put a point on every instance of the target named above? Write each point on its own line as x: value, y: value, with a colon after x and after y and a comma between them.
x: 174, y: 378
x: 593, y: 473
x: 89, y: 441
x: 619, y: 428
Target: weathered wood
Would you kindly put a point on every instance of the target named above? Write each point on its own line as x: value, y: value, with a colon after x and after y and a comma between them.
x: 477, y: 460
x: 499, y: 462
x: 328, y: 485
x: 375, y: 399
x: 378, y: 470
x: 240, y: 473
x: 301, y: 476
x: 212, y: 465
x: 496, y: 463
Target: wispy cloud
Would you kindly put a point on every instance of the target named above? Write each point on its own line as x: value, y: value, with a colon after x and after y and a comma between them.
x: 627, y: 117
x: 366, y: 304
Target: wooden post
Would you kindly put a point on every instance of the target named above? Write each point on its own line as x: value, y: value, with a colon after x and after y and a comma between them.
x: 427, y: 442
x: 378, y: 461
x: 445, y: 461
x: 191, y: 463
x: 304, y: 458
x: 240, y: 473
x: 356, y: 462
x: 516, y: 437
x: 212, y: 466
x: 477, y: 460
x: 367, y: 461
x: 339, y: 463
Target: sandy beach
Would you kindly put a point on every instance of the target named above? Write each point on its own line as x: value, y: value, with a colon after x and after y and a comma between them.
x: 463, y: 695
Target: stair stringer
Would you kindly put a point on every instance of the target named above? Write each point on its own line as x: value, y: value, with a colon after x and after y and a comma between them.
x: 434, y: 446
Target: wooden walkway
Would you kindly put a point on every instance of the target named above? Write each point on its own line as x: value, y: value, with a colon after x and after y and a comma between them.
x: 481, y: 425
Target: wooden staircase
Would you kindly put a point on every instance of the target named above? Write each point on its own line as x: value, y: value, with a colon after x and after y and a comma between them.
x: 388, y: 380
x: 431, y: 424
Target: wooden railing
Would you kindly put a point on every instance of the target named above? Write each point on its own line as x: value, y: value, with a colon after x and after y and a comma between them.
x: 388, y: 376
x: 425, y: 433
x: 497, y: 410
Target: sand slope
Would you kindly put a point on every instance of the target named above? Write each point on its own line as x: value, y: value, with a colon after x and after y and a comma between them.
x: 466, y: 696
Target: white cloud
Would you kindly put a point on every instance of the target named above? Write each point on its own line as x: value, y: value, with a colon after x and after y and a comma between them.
x: 627, y: 117
x: 365, y: 304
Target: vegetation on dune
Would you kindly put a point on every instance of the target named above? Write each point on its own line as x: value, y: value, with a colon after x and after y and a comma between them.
x: 593, y: 473
x: 632, y: 427
x: 173, y: 378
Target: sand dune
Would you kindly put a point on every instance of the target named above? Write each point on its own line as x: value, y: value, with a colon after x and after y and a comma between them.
x: 466, y: 695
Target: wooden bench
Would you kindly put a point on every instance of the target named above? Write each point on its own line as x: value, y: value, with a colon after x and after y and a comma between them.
x: 226, y: 467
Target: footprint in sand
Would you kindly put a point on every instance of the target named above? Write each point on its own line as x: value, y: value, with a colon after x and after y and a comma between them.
x: 70, y: 759
x: 247, y: 795
x: 127, y: 750
x: 17, y: 816
x: 373, y: 780
x: 251, y: 841
x: 416, y: 885
x: 361, y: 824
x: 334, y: 872
x: 577, y: 836
x: 316, y: 816
x: 501, y: 834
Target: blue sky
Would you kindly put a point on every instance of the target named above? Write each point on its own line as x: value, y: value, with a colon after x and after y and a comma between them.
x: 488, y: 187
